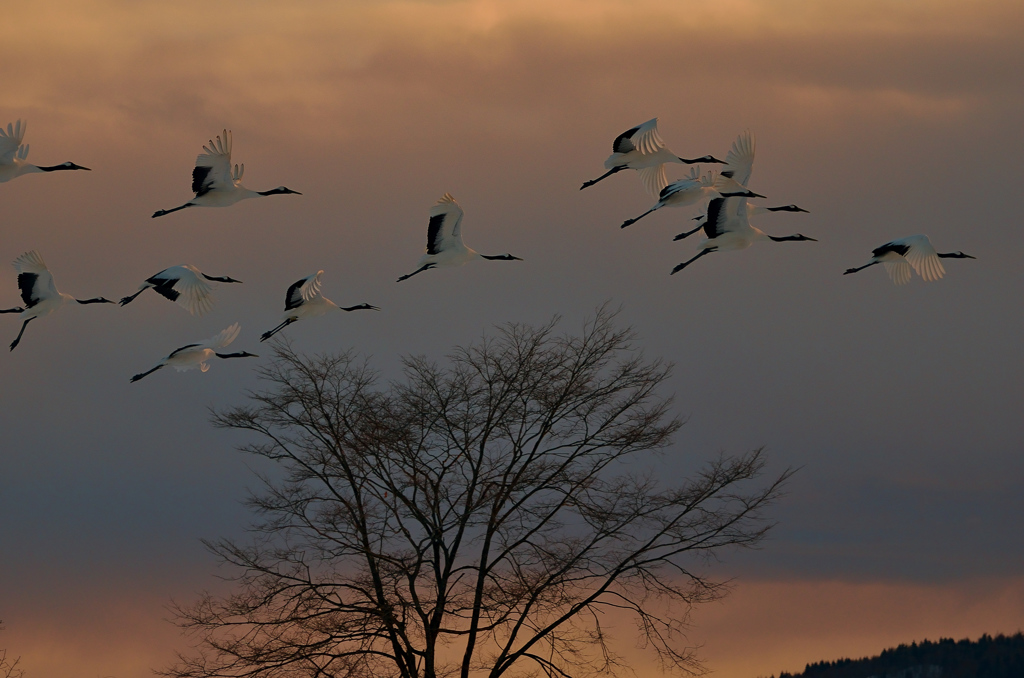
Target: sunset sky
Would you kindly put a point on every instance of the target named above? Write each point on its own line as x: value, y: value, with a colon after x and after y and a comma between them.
x: 901, y: 406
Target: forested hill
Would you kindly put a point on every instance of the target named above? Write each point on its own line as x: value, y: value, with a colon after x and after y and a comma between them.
x: 987, y: 657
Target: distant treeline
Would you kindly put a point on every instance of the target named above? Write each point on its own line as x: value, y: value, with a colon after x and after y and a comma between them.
x: 987, y: 657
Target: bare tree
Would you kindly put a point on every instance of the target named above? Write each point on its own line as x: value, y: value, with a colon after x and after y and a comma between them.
x: 9, y: 667
x: 479, y: 517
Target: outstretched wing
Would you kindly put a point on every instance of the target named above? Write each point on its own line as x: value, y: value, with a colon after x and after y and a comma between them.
x: 223, y: 339
x: 183, y: 286
x: 898, y: 270
x: 740, y: 160
x: 302, y: 290
x: 923, y: 258
x: 681, y: 185
x: 653, y: 178
x: 34, y: 280
x: 179, y: 350
x: 714, y: 225
x: 10, y: 140
x: 213, y: 168
x: 444, y: 232
x: 643, y: 138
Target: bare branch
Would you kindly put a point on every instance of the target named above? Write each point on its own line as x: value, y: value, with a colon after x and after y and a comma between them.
x: 478, y: 516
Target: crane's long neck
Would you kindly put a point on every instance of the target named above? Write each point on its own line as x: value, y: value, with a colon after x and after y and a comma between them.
x: 499, y: 257
x: 58, y: 168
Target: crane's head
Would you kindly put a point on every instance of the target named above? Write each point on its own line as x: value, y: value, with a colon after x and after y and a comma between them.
x: 62, y: 166
x: 703, y: 158
x: 280, y: 190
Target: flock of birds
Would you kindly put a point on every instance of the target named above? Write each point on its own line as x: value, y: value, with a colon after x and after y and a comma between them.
x: 726, y: 220
x: 218, y: 183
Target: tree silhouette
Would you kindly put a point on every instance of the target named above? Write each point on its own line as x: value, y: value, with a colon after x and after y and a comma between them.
x: 482, y: 516
x: 9, y: 667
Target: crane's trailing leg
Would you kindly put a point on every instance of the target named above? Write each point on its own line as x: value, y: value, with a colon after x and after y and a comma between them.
x: 422, y: 268
x: 23, y: 326
x: 687, y: 234
x: 603, y: 176
x: 286, y: 323
x: 627, y: 222
x: 859, y: 268
x: 160, y: 213
x: 146, y: 373
x: 687, y: 263
x: 130, y: 298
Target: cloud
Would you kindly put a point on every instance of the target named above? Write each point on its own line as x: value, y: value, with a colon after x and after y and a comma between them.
x: 165, y: 67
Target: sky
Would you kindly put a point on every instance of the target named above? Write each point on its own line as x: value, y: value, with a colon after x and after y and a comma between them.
x: 900, y: 406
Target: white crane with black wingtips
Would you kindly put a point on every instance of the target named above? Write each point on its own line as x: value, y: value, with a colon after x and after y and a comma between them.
x: 13, y: 154
x: 304, y: 300
x: 916, y: 253
x: 734, y: 178
x: 444, y: 240
x: 39, y: 293
x: 196, y: 356
x: 214, y: 181
x: 184, y: 285
x: 641, y: 148
x: 727, y: 228
x: 692, y: 190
